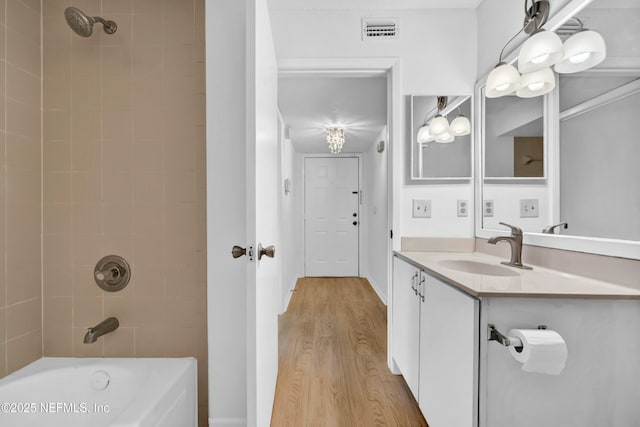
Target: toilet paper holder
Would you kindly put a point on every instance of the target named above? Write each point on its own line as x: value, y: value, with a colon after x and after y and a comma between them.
x: 496, y: 335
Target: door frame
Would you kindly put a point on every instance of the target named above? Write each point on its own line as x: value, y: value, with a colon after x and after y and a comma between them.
x: 306, y: 156
x: 366, y: 67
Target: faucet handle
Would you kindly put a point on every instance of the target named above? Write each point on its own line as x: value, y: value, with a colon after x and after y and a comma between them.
x: 515, y: 231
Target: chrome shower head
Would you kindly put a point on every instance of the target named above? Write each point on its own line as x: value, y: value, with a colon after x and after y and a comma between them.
x: 82, y: 24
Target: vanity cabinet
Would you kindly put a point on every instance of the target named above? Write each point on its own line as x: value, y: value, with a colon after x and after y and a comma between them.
x: 406, y: 321
x: 448, y: 355
x: 434, y: 329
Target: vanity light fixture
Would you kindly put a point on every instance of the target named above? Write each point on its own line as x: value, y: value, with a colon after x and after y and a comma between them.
x: 542, y: 50
x: 335, y: 139
x: 582, y: 50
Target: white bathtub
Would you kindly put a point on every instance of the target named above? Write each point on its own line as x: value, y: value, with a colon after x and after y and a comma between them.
x: 73, y: 392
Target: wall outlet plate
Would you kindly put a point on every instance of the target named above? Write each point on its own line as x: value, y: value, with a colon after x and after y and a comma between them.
x: 421, y: 208
x: 463, y: 208
x: 529, y: 208
x: 487, y: 208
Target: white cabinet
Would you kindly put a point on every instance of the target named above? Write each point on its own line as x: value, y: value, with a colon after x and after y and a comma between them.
x: 435, y: 345
x: 406, y: 321
x: 448, y: 355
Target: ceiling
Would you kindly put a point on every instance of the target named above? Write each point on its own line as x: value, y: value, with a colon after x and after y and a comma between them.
x: 311, y: 104
x: 371, y: 4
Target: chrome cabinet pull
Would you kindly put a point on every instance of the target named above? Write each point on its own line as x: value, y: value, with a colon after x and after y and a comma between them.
x: 413, y: 282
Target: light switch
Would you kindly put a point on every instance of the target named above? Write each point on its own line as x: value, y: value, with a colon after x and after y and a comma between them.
x: 421, y: 208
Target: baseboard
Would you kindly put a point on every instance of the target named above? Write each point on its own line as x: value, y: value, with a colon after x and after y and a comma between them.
x: 375, y: 287
x: 289, y: 295
x: 227, y: 422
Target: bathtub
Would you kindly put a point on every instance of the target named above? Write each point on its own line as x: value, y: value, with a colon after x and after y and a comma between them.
x: 74, y: 392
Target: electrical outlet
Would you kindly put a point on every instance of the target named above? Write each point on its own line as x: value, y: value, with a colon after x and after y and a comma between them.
x: 463, y: 208
x: 529, y: 208
x: 421, y: 208
x: 487, y: 208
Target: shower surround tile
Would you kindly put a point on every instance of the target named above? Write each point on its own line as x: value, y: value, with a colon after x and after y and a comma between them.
x: 125, y: 112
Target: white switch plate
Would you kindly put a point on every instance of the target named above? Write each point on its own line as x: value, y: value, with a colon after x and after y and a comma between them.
x: 529, y: 208
x: 421, y: 208
x: 463, y: 208
x: 487, y: 208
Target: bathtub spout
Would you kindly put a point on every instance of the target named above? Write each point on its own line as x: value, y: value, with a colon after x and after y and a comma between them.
x: 104, y: 327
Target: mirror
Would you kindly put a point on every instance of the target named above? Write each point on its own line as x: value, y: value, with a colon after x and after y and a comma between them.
x: 590, y: 177
x: 440, y: 160
x: 513, y: 137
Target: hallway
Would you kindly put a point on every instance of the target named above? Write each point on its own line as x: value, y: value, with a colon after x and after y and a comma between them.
x: 332, y: 360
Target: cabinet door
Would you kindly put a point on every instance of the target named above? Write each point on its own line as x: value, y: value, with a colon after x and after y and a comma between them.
x: 448, y: 355
x: 406, y: 322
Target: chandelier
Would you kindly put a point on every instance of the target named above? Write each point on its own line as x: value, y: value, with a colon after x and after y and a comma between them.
x: 335, y: 139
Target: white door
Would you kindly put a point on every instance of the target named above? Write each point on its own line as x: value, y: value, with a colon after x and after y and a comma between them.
x: 262, y: 215
x: 242, y: 194
x: 332, y: 217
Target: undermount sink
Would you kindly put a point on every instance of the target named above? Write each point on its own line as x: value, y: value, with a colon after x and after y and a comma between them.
x: 475, y: 267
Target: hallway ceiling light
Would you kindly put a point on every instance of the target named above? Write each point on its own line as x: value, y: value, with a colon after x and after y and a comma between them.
x: 543, y: 49
x: 335, y: 139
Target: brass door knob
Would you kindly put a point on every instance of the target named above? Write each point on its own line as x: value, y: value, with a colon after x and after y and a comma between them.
x: 269, y: 251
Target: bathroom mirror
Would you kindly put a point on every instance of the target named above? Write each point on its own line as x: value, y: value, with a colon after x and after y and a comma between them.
x: 591, y: 179
x: 513, y: 137
x: 437, y: 159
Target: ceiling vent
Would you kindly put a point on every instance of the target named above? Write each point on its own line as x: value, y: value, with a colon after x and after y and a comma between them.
x: 379, y: 28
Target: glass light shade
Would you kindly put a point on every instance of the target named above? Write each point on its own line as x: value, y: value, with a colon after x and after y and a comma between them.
x: 438, y: 126
x: 424, y: 135
x: 503, y: 80
x: 445, y: 138
x: 539, y: 51
x: 582, y: 51
x: 536, y: 83
x: 460, y: 126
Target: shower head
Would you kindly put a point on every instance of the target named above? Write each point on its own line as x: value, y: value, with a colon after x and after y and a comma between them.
x: 82, y: 24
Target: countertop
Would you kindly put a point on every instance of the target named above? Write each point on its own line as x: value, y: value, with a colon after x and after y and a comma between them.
x: 537, y: 283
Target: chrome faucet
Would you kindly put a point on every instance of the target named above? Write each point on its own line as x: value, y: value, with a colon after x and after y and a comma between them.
x: 108, y: 325
x: 515, y: 241
x: 552, y: 228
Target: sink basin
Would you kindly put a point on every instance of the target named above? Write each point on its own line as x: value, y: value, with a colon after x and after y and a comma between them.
x: 475, y: 267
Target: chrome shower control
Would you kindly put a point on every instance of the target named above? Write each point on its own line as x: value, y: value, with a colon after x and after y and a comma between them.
x: 112, y: 273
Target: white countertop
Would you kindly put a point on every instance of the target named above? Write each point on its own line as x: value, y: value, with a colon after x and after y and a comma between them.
x: 538, y: 283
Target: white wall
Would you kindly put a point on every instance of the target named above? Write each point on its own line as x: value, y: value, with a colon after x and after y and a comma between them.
x: 437, y: 50
x: 373, y: 217
x: 289, y: 242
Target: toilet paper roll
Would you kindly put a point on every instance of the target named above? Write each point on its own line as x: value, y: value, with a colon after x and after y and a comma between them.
x: 543, y: 351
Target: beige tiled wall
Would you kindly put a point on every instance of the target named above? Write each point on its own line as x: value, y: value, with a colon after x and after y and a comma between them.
x: 20, y: 185
x: 124, y: 173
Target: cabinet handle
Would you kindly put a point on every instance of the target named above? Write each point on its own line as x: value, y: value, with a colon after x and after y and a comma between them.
x: 413, y: 283
x: 420, y: 294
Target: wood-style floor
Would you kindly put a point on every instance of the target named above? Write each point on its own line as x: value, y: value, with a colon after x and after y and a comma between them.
x: 332, y: 366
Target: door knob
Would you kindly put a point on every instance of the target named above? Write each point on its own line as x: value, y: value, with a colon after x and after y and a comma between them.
x: 269, y: 251
x: 355, y: 222
x: 238, y: 251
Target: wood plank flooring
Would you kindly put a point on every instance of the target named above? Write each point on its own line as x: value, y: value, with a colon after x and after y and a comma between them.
x: 332, y: 360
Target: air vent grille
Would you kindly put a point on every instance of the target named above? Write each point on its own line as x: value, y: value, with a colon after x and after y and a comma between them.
x: 373, y: 29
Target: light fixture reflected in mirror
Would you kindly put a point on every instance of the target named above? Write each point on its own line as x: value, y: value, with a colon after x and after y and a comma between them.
x: 439, y: 129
